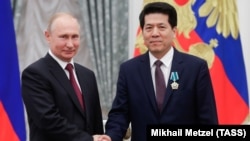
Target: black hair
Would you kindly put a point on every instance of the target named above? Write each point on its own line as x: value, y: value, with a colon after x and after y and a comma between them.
x: 159, y: 7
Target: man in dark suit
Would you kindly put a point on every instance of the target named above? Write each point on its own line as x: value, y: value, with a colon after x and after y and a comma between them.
x: 54, y: 111
x: 188, y: 96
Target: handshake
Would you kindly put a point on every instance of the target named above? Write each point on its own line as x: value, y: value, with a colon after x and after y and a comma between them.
x: 107, y: 138
x: 101, y: 138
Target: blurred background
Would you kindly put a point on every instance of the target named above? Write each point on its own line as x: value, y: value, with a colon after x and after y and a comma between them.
x: 217, y: 31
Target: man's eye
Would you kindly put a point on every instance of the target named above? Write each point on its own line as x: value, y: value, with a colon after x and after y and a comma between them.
x: 75, y: 37
x: 148, y: 28
x: 64, y: 36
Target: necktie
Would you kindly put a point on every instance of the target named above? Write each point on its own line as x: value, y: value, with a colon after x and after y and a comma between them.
x: 72, y: 79
x: 159, y: 84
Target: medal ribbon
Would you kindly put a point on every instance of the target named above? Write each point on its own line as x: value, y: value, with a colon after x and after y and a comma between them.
x: 174, y: 76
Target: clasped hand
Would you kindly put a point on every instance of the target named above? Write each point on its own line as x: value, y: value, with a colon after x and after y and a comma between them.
x: 101, y: 138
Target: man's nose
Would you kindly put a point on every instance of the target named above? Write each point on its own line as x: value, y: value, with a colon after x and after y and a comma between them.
x: 155, y: 31
x: 69, y: 43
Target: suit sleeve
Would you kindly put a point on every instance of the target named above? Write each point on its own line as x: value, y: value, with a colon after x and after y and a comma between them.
x: 206, y: 105
x: 118, y: 120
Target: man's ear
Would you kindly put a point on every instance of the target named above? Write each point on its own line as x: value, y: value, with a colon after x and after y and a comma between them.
x: 174, y: 30
x: 47, y: 35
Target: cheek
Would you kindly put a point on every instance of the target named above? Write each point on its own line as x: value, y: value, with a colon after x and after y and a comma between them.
x: 76, y: 43
x: 146, y: 42
x: 146, y: 38
x: 58, y: 42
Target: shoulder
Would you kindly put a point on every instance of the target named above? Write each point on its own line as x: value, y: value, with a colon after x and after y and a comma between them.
x: 42, y: 63
x: 38, y: 65
x: 189, y: 58
x: 37, y: 71
x: 136, y: 60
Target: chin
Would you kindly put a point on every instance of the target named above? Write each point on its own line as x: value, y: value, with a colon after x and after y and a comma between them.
x: 155, y: 50
x: 67, y: 58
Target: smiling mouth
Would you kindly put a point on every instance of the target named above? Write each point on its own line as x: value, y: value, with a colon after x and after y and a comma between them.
x: 69, y: 52
x: 155, y: 41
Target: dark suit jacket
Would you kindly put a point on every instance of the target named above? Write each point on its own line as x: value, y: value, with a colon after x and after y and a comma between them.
x: 192, y: 103
x: 54, y: 113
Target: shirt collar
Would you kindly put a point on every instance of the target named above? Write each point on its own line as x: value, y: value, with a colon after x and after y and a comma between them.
x: 166, y: 59
x: 60, y: 62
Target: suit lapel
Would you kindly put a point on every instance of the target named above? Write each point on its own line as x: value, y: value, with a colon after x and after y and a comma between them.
x: 145, y: 72
x: 83, y: 79
x: 176, y: 67
x: 62, y: 78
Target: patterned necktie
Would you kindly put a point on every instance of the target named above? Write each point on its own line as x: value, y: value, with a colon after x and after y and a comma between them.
x: 72, y: 79
x: 159, y: 84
